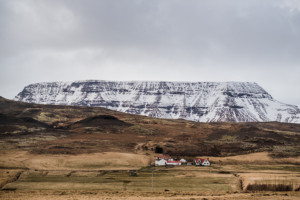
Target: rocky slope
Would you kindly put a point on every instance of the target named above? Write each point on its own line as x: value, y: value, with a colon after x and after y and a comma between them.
x: 197, y: 101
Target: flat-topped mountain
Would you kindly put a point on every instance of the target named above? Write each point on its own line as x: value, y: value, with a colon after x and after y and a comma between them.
x: 196, y: 101
x: 58, y: 129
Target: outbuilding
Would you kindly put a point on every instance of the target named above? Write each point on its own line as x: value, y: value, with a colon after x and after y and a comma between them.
x: 202, y: 162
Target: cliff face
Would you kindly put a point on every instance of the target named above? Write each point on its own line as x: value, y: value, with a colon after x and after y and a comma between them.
x: 197, y: 101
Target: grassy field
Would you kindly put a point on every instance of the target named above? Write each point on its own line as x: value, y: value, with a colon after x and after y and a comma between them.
x: 131, y: 178
x: 182, y: 182
x: 189, y: 180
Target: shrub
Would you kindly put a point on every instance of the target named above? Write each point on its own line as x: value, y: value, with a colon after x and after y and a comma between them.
x: 270, y: 187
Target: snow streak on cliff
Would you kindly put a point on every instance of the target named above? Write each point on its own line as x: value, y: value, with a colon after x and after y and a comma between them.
x: 197, y: 101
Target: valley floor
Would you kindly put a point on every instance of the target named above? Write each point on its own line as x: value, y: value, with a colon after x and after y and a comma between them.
x: 71, y: 152
x: 129, y: 176
x: 92, y: 195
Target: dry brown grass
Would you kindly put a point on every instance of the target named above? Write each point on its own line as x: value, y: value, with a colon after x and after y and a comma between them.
x: 127, y: 195
x: 86, y: 177
x: 258, y: 158
x: 95, y: 161
x: 270, y: 181
x: 8, y: 176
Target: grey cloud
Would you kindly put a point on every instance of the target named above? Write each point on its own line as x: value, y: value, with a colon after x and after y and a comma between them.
x: 192, y: 40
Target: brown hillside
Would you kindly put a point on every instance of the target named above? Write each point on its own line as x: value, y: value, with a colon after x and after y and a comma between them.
x: 53, y: 129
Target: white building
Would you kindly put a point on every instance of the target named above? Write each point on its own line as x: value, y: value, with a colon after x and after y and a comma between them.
x: 172, y: 162
x: 202, y: 162
x: 206, y: 162
x: 161, y: 162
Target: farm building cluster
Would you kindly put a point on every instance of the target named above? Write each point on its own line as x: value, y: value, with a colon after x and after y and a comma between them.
x: 169, y: 161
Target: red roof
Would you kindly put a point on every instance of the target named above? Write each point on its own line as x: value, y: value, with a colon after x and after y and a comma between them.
x: 201, y: 159
x: 169, y: 161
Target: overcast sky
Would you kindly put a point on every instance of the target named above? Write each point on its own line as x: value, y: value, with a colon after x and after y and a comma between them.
x: 168, y: 40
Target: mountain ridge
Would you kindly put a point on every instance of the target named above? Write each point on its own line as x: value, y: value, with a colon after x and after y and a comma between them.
x: 196, y: 101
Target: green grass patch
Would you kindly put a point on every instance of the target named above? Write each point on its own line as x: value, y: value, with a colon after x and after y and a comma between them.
x: 123, y: 181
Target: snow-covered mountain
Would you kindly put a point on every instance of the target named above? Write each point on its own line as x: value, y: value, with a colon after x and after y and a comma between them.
x: 197, y: 101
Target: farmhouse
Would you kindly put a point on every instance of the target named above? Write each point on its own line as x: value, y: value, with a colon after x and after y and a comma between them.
x: 167, y: 160
x: 202, y: 162
x: 172, y: 162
